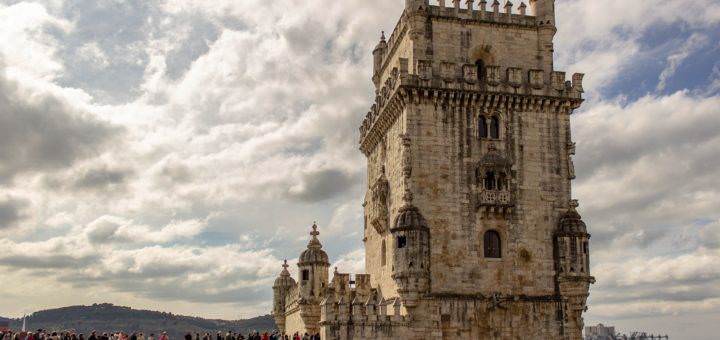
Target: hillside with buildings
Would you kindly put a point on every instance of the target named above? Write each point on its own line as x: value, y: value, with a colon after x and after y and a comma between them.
x: 110, y: 318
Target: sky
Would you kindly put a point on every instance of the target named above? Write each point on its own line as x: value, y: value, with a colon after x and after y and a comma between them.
x: 168, y: 154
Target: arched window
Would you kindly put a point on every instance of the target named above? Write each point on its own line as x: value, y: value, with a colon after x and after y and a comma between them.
x: 494, y: 127
x: 489, y: 180
x: 482, y: 127
x: 305, y: 275
x: 383, y: 254
x: 480, y: 66
x: 492, y: 244
x: 501, y: 181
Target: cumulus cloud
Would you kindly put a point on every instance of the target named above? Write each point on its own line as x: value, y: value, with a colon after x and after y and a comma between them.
x: 649, y: 163
x: 44, y: 132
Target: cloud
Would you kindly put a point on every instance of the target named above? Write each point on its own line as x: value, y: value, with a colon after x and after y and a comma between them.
x: 606, y: 39
x: 109, y: 229
x: 101, y: 178
x: 11, y: 212
x: 692, y: 45
x: 40, y: 131
x: 649, y: 162
x: 352, y: 262
x: 172, y: 273
x: 321, y: 185
x: 91, y: 54
x: 25, y: 44
x: 702, y: 266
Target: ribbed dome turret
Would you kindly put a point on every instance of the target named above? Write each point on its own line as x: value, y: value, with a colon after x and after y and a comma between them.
x: 493, y: 159
x: 314, y: 253
x: 284, y: 279
x: 409, y: 218
x: 571, y: 223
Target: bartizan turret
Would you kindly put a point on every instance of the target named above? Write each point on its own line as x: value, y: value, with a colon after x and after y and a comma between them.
x: 313, y: 267
x: 281, y: 289
x: 411, y: 257
x: 572, y: 264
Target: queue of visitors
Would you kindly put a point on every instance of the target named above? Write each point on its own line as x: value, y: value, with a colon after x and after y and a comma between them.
x: 71, y: 335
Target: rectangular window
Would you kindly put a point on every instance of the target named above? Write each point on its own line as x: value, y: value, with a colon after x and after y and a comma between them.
x: 305, y: 275
x: 401, y: 242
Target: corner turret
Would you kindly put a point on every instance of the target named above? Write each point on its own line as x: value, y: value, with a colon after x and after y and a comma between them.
x: 411, y: 257
x: 572, y: 264
x: 282, y: 287
x: 378, y: 57
x: 313, y: 268
x: 544, y: 10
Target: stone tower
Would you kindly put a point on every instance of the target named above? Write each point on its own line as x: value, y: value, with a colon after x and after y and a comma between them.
x: 470, y: 231
x: 296, y: 305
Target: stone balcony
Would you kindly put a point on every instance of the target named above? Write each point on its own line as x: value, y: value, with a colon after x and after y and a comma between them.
x: 494, y: 201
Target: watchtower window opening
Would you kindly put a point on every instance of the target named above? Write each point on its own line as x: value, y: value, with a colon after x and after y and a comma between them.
x: 305, y: 275
x: 494, y: 128
x: 492, y: 244
x: 480, y: 65
x: 489, y: 180
x: 482, y: 127
x: 401, y: 242
x: 383, y: 253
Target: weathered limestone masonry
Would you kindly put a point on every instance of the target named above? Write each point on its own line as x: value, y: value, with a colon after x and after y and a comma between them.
x: 470, y: 227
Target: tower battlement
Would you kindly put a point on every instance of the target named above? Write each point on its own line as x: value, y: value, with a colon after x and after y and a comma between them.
x: 357, y: 303
x: 459, y: 82
x: 484, y: 12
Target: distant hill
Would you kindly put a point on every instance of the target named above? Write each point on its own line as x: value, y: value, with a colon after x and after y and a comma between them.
x: 109, y: 318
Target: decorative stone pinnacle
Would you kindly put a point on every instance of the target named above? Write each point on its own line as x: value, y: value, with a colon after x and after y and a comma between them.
x: 382, y: 36
x: 574, y: 204
x: 314, y: 242
x: 285, y: 265
x: 314, y: 231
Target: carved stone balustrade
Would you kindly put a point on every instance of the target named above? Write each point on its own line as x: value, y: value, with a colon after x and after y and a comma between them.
x: 495, y: 201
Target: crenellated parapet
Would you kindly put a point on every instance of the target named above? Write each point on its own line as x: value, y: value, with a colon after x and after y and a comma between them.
x: 486, y: 12
x: 460, y: 83
x: 473, y: 13
x: 354, y: 309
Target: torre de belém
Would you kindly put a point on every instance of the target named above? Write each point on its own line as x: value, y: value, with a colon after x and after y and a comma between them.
x: 471, y: 231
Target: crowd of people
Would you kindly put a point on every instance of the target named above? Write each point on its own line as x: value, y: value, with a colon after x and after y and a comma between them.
x: 71, y: 335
